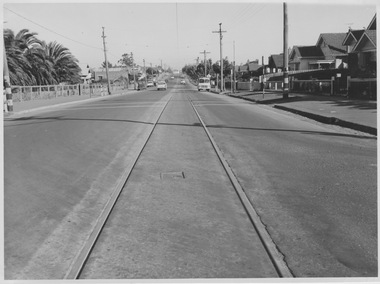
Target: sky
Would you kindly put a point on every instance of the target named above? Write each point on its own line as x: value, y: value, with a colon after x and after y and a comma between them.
x: 176, y: 33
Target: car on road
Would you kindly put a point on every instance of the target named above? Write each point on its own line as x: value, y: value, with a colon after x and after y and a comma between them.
x: 150, y: 84
x: 183, y: 82
x: 161, y: 85
x: 204, y: 84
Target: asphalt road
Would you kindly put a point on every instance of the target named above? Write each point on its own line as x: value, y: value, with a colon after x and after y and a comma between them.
x: 314, y: 187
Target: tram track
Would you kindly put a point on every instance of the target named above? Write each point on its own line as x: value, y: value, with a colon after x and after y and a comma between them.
x: 271, y: 249
x: 80, y: 260
x: 275, y: 255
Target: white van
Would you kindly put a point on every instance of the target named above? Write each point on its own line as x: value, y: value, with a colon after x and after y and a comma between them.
x: 204, y: 84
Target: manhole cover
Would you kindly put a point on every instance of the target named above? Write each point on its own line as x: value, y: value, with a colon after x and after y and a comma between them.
x: 172, y: 175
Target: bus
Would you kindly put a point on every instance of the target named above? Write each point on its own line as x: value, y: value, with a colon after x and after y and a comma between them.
x: 204, y: 84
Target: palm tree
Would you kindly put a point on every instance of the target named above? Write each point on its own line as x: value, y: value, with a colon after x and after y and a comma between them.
x: 65, y: 65
x: 20, y: 70
x: 33, y: 62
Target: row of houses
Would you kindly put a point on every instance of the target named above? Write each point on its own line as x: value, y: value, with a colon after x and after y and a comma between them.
x: 117, y: 75
x: 351, y: 54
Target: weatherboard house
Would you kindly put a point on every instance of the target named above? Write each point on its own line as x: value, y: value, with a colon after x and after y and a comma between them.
x: 362, y: 60
x: 328, y: 53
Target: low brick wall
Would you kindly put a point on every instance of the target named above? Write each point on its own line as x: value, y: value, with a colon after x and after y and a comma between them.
x: 28, y: 93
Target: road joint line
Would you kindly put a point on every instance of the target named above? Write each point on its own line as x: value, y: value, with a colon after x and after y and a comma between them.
x: 277, y: 258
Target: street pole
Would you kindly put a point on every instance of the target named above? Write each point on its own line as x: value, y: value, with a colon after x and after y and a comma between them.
x: 285, y: 94
x: 7, y: 83
x: 234, y: 74
x: 262, y: 60
x: 146, y: 79
x: 133, y: 70
x: 204, y: 53
x: 105, y: 56
x: 221, y: 56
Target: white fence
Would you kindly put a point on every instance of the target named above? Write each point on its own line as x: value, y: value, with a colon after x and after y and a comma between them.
x: 28, y: 93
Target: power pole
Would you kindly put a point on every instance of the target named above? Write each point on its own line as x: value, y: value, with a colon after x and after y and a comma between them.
x: 285, y: 89
x: 204, y: 53
x: 133, y: 70
x: 234, y: 74
x: 221, y: 56
x: 197, y: 60
x: 262, y: 60
x: 105, y: 56
x: 146, y: 75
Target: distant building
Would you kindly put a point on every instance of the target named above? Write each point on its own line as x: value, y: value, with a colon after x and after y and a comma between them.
x: 276, y: 63
x: 116, y: 74
x: 250, y: 69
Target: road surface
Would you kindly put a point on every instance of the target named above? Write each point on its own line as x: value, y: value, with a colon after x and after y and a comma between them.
x: 178, y: 215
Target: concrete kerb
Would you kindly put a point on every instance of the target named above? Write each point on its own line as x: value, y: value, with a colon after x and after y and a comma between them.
x: 330, y: 120
x: 320, y: 118
x: 48, y: 107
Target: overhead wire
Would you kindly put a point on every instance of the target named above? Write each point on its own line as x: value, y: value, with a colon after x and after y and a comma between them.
x: 50, y: 30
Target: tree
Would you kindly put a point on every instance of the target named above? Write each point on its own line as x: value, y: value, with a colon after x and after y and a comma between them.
x: 64, y: 63
x: 190, y: 70
x: 227, y: 67
x: 126, y: 60
x: 33, y: 62
x: 150, y: 71
x: 109, y: 64
x: 20, y: 69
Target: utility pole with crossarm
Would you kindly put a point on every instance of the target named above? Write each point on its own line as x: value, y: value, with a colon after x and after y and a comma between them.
x: 204, y: 53
x: 105, y: 57
x: 221, y: 56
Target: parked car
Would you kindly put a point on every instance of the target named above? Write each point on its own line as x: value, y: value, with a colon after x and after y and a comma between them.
x: 150, y: 84
x: 161, y: 85
x: 183, y: 82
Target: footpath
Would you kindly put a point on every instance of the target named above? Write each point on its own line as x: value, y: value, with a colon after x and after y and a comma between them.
x: 360, y: 115
x: 45, y: 104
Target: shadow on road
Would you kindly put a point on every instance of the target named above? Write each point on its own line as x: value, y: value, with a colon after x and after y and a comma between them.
x: 296, y: 131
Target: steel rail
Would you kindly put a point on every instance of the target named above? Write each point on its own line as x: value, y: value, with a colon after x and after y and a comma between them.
x: 80, y: 260
x: 276, y: 257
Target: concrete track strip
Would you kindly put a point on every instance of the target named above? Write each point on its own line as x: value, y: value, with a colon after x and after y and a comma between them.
x: 79, y: 262
x: 275, y: 255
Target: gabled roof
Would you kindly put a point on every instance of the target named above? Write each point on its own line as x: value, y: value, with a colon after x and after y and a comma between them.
x: 334, y: 41
x: 367, y: 42
x: 250, y: 66
x: 372, y: 24
x: 308, y: 51
x: 243, y: 68
x: 253, y: 66
x: 352, y: 36
x: 278, y: 60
